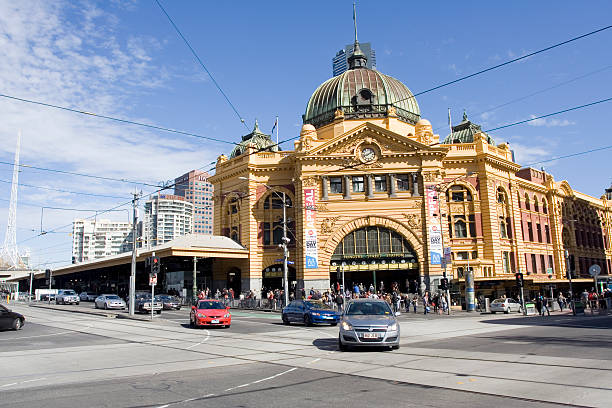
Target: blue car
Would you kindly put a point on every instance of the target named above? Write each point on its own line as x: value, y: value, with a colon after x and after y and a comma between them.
x: 310, y: 312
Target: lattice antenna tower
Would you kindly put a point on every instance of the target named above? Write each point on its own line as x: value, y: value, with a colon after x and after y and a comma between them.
x: 10, y: 254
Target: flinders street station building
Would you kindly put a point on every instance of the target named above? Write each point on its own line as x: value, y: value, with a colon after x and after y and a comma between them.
x: 375, y: 197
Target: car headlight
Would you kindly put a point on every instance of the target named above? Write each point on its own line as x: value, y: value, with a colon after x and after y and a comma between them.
x: 227, y: 315
x: 392, y: 327
x: 315, y: 314
x: 346, y: 326
x: 201, y: 315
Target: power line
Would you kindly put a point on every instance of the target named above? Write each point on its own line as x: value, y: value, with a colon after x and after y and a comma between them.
x: 201, y: 63
x: 81, y: 174
x: 522, y: 98
x: 63, y: 191
x: 550, y: 114
x: 130, y: 122
x: 570, y: 155
x: 531, y: 54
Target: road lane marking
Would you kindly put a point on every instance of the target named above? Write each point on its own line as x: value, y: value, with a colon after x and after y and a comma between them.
x: 197, y: 344
x: 262, y: 380
x: 313, y: 361
x: 40, y: 335
x: 23, y: 382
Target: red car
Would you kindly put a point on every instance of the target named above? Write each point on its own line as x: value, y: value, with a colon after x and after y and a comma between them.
x: 210, y: 312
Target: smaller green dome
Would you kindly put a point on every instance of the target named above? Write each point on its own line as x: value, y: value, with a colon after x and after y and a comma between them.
x: 464, y: 133
x: 260, y: 140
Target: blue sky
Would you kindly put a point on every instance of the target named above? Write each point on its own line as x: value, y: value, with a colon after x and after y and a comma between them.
x: 123, y: 59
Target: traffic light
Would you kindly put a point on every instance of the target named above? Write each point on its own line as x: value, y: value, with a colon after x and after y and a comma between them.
x: 444, y: 283
x: 155, y: 264
x: 47, y: 274
x: 519, y: 279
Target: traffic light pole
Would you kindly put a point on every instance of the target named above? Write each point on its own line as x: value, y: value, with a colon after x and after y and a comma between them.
x: 285, y: 251
x: 134, y: 249
x: 569, y: 277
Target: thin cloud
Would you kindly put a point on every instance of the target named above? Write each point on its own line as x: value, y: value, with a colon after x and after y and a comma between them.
x: 550, y: 122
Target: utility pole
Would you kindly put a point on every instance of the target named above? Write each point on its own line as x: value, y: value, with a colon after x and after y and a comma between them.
x: 194, y: 288
x: 30, y: 294
x: 285, y: 251
x: 569, y: 276
x: 134, y: 249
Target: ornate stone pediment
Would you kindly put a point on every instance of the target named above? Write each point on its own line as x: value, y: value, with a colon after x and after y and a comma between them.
x: 387, y: 142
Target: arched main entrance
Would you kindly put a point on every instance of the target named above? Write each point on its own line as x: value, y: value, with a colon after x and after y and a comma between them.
x: 375, y: 255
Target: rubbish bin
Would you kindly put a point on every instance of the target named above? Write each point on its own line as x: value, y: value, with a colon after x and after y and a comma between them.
x: 530, y: 308
x: 487, y: 305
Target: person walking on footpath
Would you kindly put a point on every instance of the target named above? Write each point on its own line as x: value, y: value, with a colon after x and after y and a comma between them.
x: 544, y: 302
x: 561, y: 301
x: 539, y: 303
x: 339, y: 301
x: 426, y: 302
x: 414, y: 302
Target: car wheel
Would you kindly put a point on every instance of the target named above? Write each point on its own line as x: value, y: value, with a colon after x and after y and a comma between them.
x: 396, y: 347
x: 493, y: 312
x: 341, y: 346
x: 506, y: 311
x: 17, y: 324
x: 227, y: 326
x: 105, y: 306
x: 334, y: 323
x: 307, y: 320
x: 78, y: 303
x: 56, y: 302
x: 95, y: 305
x: 286, y: 321
x: 158, y: 311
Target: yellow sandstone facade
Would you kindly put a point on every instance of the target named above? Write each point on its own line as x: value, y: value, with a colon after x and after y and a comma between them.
x: 388, y: 196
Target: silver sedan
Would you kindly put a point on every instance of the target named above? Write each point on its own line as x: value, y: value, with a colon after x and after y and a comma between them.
x: 109, y: 302
x: 368, y: 322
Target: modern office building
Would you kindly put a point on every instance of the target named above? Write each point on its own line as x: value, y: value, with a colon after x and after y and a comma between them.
x: 166, y: 217
x: 374, y: 196
x: 196, y: 189
x: 340, y: 61
x: 95, y: 239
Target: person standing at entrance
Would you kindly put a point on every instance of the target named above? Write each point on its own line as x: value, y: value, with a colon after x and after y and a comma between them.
x: 339, y: 301
x: 414, y: 303
x: 426, y: 302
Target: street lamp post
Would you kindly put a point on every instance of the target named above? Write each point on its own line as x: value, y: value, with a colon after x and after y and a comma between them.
x: 284, y: 244
x: 569, y: 277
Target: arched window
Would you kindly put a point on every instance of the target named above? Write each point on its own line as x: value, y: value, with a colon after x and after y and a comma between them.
x: 375, y: 243
x: 501, y: 196
x: 527, y: 204
x: 460, y: 229
x: 271, y: 228
x: 544, y: 206
x: 536, y: 207
x: 458, y: 193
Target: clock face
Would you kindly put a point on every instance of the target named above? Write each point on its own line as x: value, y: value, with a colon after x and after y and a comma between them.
x: 368, y: 154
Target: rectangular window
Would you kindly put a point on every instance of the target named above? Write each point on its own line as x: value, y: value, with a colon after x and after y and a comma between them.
x: 266, y: 233
x: 372, y: 240
x: 349, y: 244
x: 550, y: 263
x: 506, y: 258
x: 277, y: 234
x: 534, y: 264
x: 358, y: 184
x: 457, y: 196
x: 539, y: 230
x: 380, y: 183
x: 472, y: 225
x: 509, y: 227
x: 503, y: 231
x: 335, y: 185
x: 403, y: 182
x: 385, y: 241
x: 547, y: 233
x: 530, y: 231
x: 543, y: 263
x: 461, y: 256
x: 360, y: 241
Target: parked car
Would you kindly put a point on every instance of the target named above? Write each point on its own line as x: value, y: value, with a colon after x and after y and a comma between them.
x: 66, y: 296
x: 88, y: 296
x: 309, y: 312
x: 47, y: 297
x: 368, y: 322
x: 505, y: 305
x: 143, y: 304
x: 10, y: 319
x: 109, y: 302
x: 169, y: 302
x: 210, y: 312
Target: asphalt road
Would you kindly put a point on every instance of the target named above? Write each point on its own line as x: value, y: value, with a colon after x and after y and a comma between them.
x: 255, y: 385
x: 558, y: 336
x: 64, y: 359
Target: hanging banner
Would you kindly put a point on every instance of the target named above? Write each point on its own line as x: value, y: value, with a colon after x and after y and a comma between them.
x: 310, y: 229
x: 435, y: 226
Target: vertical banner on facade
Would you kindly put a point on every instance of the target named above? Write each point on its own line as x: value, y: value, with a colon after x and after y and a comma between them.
x: 310, y: 229
x: 435, y: 226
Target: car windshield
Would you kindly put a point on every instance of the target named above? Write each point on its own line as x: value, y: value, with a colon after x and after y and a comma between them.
x: 369, y: 308
x: 69, y: 292
x: 317, y: 305
x: 112, y: 297
x: 499, y: 300
x: 205, y: 304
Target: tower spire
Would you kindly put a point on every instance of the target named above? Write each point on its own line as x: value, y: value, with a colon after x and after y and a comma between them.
x: 358, y: 58
x: 9, y: 254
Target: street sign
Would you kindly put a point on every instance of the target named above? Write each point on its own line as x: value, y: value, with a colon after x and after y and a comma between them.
x: 152, y: 279
x: 281, y: 260
x: 594, y: 270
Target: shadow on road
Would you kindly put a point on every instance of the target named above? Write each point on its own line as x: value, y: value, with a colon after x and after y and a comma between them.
x: 579, y: 322
x: 328, y: 344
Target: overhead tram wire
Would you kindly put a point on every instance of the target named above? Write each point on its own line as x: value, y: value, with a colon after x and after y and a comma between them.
x: 597, y: 149
x: 522, y: 98
x: 548, y: 115
x: 531, y: 54
x: 201, y: 63
x: 64, y: 191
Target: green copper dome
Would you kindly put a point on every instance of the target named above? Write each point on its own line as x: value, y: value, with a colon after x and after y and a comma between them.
x: 260, y: 140
x: 360, y: 92
x: 464, y: 133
